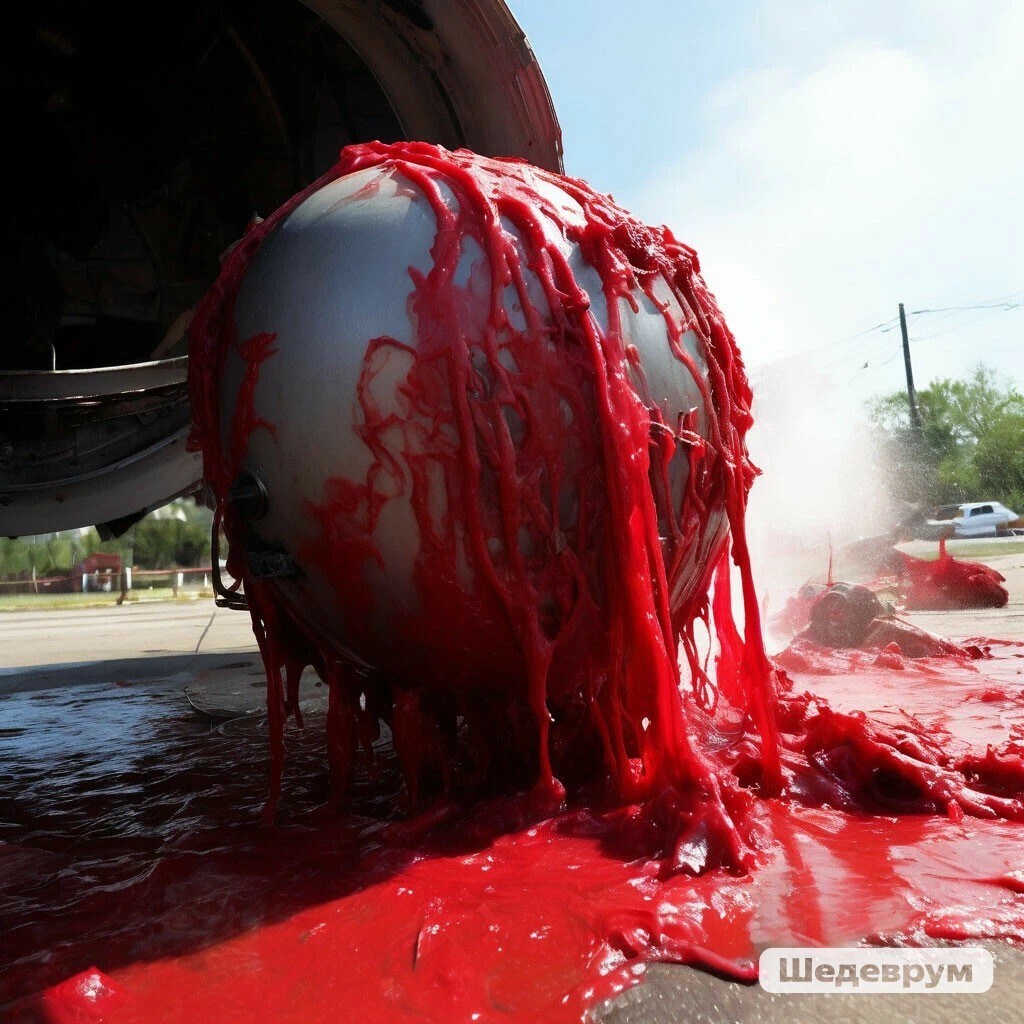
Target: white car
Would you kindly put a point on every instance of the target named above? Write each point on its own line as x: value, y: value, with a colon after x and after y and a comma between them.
x: 974, y: 519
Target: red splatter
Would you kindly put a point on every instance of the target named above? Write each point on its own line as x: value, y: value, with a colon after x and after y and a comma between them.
x: 89, y: 996
x: 501, y: 909
x: 948, y: 582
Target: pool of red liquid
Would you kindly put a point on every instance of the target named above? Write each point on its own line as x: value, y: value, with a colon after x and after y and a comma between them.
x: 138, y: 883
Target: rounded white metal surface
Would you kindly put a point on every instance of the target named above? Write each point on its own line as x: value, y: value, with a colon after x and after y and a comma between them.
x: 331, y: 277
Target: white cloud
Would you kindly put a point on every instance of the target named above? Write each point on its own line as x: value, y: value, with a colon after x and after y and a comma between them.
x: 842, y: 180
x: 863, y: 166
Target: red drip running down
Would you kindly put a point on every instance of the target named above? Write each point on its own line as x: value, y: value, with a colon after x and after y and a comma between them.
x: 598, y: 609
x: 598, y: 615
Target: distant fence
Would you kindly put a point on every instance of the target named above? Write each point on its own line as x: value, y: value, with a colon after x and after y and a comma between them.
x: 175, y: 577
x: 101, y: 581
x: 40, y: 585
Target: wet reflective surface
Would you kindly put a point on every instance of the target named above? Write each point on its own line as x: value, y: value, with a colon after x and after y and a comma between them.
x: 132, y: 841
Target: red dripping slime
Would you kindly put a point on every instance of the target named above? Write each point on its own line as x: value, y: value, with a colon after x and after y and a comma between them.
x: 948, y: 582
x: 500, y: 425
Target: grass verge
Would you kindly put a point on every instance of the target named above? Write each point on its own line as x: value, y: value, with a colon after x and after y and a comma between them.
x: 66, y: 602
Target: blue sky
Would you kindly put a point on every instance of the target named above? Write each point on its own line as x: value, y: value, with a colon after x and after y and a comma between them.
x: 827, y: 160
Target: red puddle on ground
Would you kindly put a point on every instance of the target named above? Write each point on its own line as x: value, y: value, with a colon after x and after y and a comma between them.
x: 684, y: 816
x: 191, y: 911
x: 949, y: 582
x: 917, y: 584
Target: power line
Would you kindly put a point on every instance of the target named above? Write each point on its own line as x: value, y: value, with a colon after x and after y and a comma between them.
x: 999, y: 303
x: 959, y: 328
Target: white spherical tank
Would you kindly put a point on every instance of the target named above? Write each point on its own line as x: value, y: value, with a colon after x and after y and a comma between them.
x: 423, y: 395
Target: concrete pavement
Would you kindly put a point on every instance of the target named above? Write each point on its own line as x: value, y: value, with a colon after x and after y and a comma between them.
x: 35, y: 638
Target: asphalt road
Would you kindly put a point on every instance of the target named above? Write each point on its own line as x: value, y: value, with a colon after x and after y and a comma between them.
x: 34, y: 638
x: 151, y: 629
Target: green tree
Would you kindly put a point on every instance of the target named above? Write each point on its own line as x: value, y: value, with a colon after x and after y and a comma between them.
x: 177, y: 537
x: 999, y: 460
x: 15, y: 556
x: 166, y: 543
x: 970, y: 446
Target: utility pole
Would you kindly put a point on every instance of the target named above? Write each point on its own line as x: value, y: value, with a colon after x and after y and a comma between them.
x: 915, y: 413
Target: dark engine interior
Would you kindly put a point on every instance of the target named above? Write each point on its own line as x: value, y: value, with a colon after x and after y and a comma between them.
x: 140, y: 149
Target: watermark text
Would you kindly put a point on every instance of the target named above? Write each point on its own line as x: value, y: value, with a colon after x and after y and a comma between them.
x: 934, y: 970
